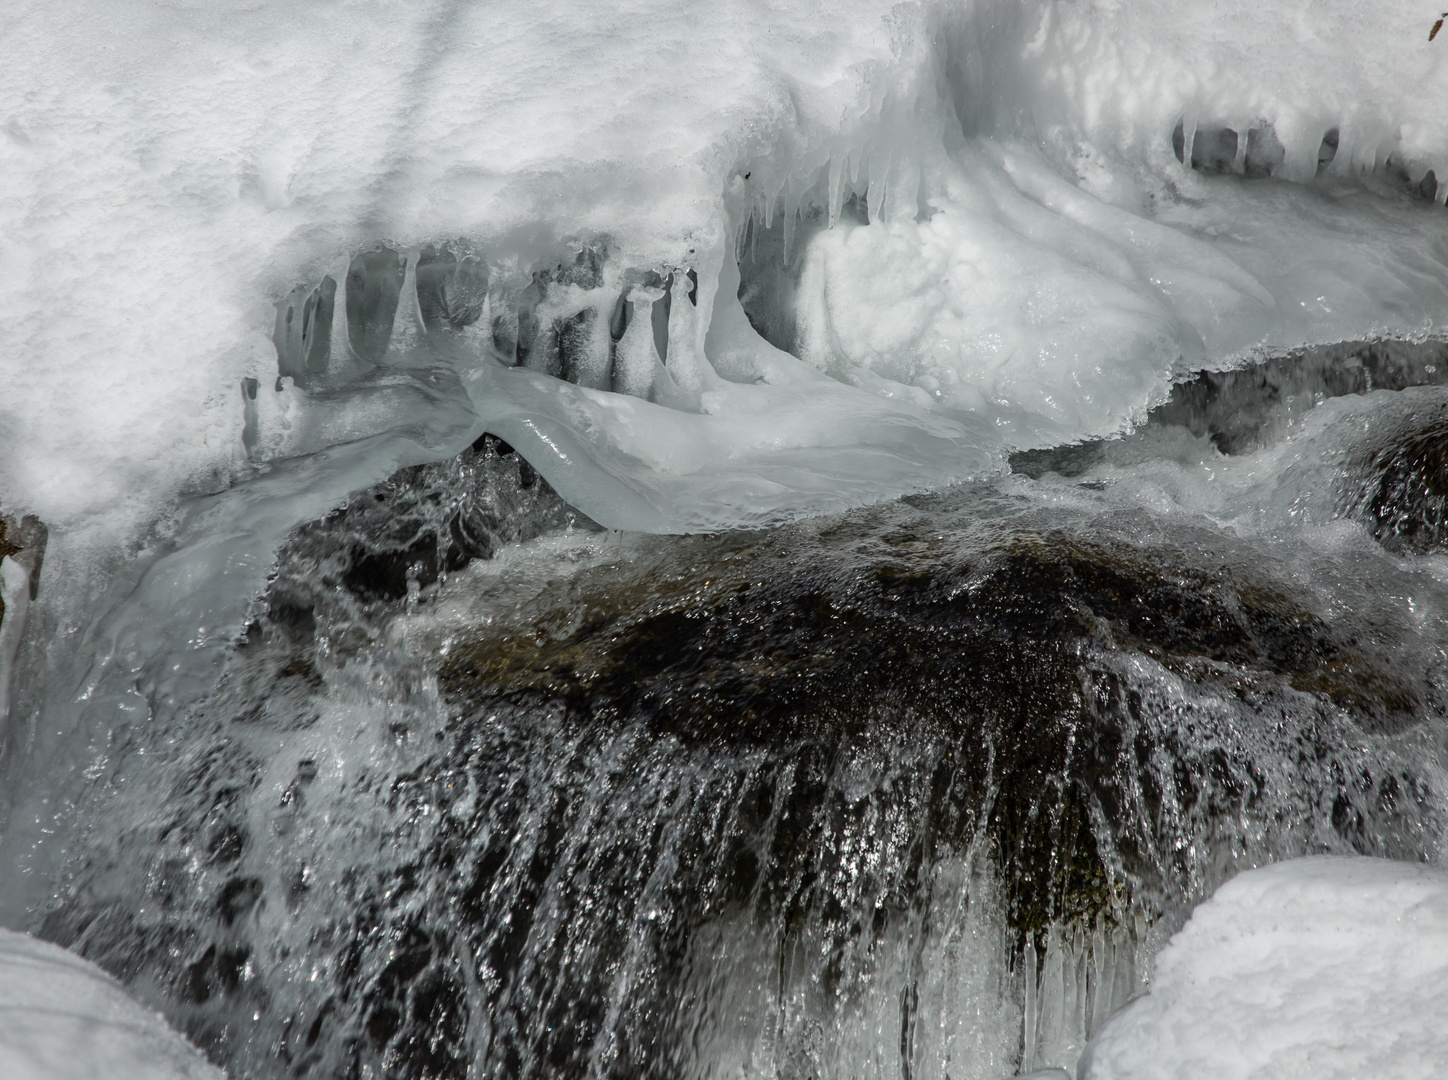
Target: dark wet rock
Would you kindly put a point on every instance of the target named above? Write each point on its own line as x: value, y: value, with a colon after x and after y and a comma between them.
x: 23, y: 539
x: 1253, y: 406
x: 374, y: 286
x: 1407, y: 505
x: 1265, y: 153
x: 740, y: 659
x: 1214, y: 150
x: 753, y: 767
x: 421, y: 524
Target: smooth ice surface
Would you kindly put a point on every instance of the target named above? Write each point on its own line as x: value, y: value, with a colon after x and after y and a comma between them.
x: 1037, y: 264
x: 1323, y: 967
x: 63, y: 1018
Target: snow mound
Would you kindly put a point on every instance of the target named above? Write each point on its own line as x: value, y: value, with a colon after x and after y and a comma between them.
x: 62, y: 1017
x: 1321, y: 967
x: 993, y: 224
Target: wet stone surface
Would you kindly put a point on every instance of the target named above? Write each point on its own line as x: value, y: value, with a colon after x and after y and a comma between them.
x: 677, y: 789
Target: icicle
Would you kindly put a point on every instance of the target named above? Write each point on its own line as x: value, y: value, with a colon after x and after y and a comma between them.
x: 636, y: 358
x: 684, y: 359
x: 249, y: 421
x: 374, y: 285
x: 1189, y: 137
x: 836, y: 194
x: 1076, y: 991
x: 875, y: 193
x: 791, y: 211
x: 1053, y: 997
x: 1028, y: 1031
x: 1100, y: 979
x: 584, y: 346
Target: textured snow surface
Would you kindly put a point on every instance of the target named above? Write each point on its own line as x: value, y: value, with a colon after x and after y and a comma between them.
x: 1322, y: 967
x: 63, y: 1018
x: 1037, y: 264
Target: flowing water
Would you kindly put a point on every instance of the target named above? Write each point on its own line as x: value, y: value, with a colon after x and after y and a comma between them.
x: 829, y: 613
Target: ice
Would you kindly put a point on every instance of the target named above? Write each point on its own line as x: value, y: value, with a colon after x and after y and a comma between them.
x: 1039, y: 256
x: 705, y: 266
x: 63, y: 1018
x: 1325, y: 967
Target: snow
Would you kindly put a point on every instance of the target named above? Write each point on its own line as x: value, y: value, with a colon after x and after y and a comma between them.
x: 1037, y: 266
x: 1325, y: 967
x: 63, y: 1018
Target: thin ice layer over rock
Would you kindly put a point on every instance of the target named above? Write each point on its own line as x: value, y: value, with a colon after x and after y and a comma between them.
x: 1324, y: 967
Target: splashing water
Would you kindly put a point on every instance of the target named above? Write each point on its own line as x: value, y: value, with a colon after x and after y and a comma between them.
x: 747, y: 541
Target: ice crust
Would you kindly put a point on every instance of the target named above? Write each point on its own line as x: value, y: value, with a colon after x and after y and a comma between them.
x: 1325, y: 967
x: 1038, y: 263
x: 63, y: 1018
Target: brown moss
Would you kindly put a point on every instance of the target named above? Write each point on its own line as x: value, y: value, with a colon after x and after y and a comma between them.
x: 834, y: 637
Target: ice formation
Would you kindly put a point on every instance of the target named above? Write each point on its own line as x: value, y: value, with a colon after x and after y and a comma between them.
x: 704, y: 266
x: 63, y: 1018
x: 998, y: 221
x: 1325, y: 967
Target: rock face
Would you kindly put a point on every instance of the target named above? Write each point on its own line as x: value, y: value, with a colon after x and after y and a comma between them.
x: 22, y: 550
x: 23, y: 540
x: 1409, y: 506
x: 676, y: 800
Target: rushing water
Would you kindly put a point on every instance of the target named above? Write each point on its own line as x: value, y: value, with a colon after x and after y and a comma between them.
x: 650, y: 546
x: 914, y: 790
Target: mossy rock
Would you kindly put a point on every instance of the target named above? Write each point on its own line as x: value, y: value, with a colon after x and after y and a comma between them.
x: 891, y: 623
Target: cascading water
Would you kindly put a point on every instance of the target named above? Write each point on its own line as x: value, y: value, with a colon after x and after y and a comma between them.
x: 717, y: 542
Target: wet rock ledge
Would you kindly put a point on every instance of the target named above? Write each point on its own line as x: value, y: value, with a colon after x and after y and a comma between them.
x: 788, y: 771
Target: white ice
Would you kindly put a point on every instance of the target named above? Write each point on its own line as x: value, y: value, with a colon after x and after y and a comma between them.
x: 63, y: 1018
x: 1323, y: 967
x: 1037, y: 267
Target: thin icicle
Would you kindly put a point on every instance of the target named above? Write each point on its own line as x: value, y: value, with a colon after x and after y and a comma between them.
x: 836, y: 189
x: 1028, y: 1029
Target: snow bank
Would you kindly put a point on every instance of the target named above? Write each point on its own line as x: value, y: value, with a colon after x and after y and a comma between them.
x: 1320, y: 967
x: 993, y: 232
x: 62, y: 1017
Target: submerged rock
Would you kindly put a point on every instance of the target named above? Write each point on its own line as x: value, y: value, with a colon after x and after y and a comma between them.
x: 939, y: 767
x: 1409, y: 505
